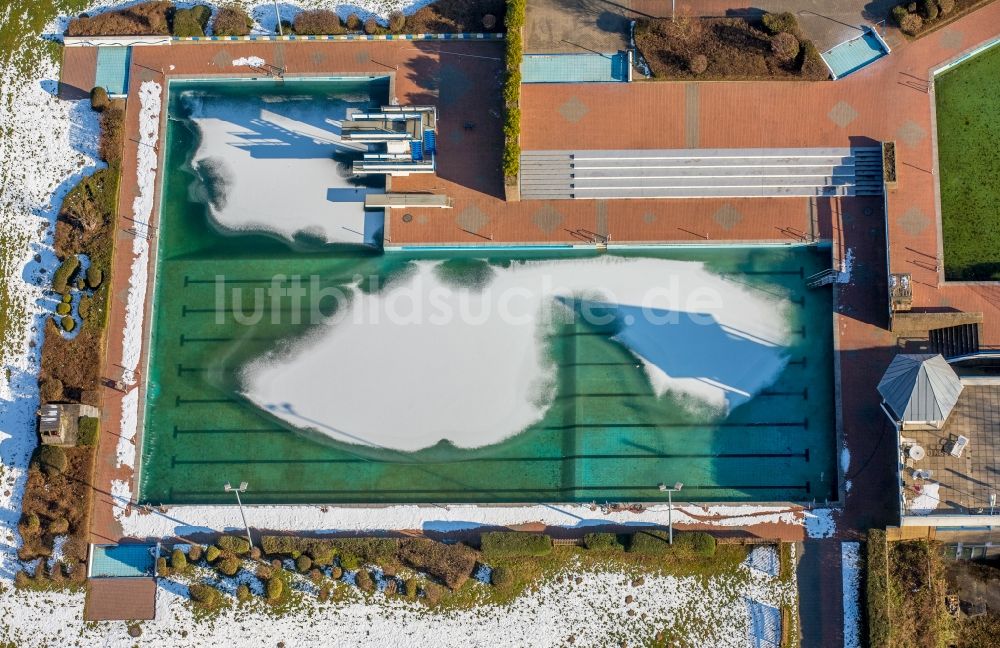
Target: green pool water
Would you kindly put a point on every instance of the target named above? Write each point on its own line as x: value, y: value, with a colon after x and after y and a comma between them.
x: 606, y: 435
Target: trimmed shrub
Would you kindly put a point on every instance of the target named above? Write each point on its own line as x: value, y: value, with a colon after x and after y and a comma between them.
x: 657, y: 542
x: 264, y: 572
x: 31, y: 524
x: 88, y: 428
x: 451, y: 564
x: 502, y: 577
x: 380, y: 551
x: 946, y: 6
x: 350, y: 562
x: 144, y: 19
x: 51, y: 389
x: 178, y: 561
x: 161, y: 567
x: 506, y: 544
x: 68, y: 323
x: 94, y: 277
x: 911, y: 24
x: 229, y: 565
x: 785, y: 47
x: 336, y: 572
x: 899, y: 13
x: 397, y: 21
x: 929, y: 9
x: 364, y: 581
x: 204, y: 595
x: 322, y: 552
x: 243, y: 593
x: 212, y: 553
x: 315, y: 576
x: 62, y: 308
x: 59, y: 526
x: 303, y: 564
x: 371, y: 26
x: 781, y: 22
x: 511, y: 158
x: 410, y: 588
x: 232, y: 20
x: 602, y: 541
x: 112, y: 135
x: 234, y: 544
x: 433, y: 593
x: 99, y: 99
x: 353, y: 23
x: 317, y: 22
x: 194, y: 553
x: 274, y: 589
x: 191, y: 21
x: 698, y: 64
x: 51, y: 459
x: 63, y: 274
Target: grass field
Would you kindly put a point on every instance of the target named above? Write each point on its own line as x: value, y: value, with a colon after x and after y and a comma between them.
x: 968, y: 124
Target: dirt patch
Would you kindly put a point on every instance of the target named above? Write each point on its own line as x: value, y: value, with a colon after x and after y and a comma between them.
x: 725, y: 49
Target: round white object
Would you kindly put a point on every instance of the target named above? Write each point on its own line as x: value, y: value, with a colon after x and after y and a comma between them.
x: 917, y: 452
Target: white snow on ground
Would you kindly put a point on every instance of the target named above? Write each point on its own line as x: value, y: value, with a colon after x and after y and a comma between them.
x: 185, y: 520
x: 764, y: 558
x: 846, y: 266
x: 249, y: 146
x: 57, y: 550
x: 850, y: 573
x: 125, y: 448
x: 820, y: 523
x: 252, y: 61
x: 845, y: 459
x: 480, y: 355
x: 926, y: 501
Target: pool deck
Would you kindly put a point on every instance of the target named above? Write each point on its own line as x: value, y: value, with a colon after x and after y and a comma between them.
x: 889, y: 100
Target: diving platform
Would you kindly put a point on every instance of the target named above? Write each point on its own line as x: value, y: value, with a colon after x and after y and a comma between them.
x: 407, y: 133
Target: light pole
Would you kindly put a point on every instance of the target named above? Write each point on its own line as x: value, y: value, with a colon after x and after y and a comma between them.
x: 277, y: 14
x: 670, y: 506
x: 242, y: 489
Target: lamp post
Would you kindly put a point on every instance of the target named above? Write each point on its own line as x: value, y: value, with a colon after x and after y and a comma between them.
x: 242, y: 489
x: 670, y: 506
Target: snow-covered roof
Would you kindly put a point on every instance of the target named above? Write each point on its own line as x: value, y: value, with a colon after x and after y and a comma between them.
x: 920, y: 387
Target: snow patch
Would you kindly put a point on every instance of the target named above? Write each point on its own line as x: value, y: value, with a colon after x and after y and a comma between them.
x: 764, y: 558
x: 694, y: 332
x: 845, y: 459
x: 251, y: 61
x: 850, y: 573
x: 125, y: 449
x: 820, y: 523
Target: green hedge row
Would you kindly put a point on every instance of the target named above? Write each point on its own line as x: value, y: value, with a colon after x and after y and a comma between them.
x: 507, y: 544
x: 514, y: 21
x: 876, y: 571
x: 657, y: 542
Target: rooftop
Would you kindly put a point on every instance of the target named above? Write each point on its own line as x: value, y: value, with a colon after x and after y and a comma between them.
x: 963, y: 484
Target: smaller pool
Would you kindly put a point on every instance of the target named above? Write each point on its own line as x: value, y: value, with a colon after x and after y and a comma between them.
x: 122, y: 560
x: 575, y: 68
x: 850, y: 56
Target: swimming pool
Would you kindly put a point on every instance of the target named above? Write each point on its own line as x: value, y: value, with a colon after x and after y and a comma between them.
x: 127, y: 560
x: 574, y: 409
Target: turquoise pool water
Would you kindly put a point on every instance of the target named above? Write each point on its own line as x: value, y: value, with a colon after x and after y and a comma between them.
x: 850, y: 56
x: 606, y: 435
x: 122, y: 560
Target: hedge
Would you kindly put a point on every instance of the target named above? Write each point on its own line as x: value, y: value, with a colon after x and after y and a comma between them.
x: 99, y: 99
x: 602, y: 541
x: 192, y: 21
x: 877, y: 590
x: 451, y: 564
x: 88, y: 428
x: 204, y: 595
x: 657, y: 542
x: 143, y: 19
x: 379, y: 551
x: 232, y: 20
x: 234, y: 544
x: 506, y: 544
x: 317, y: 22
x: 65, y: 271
x: 781, y: 22
x: 511, y: 162
x: 322, y: 552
